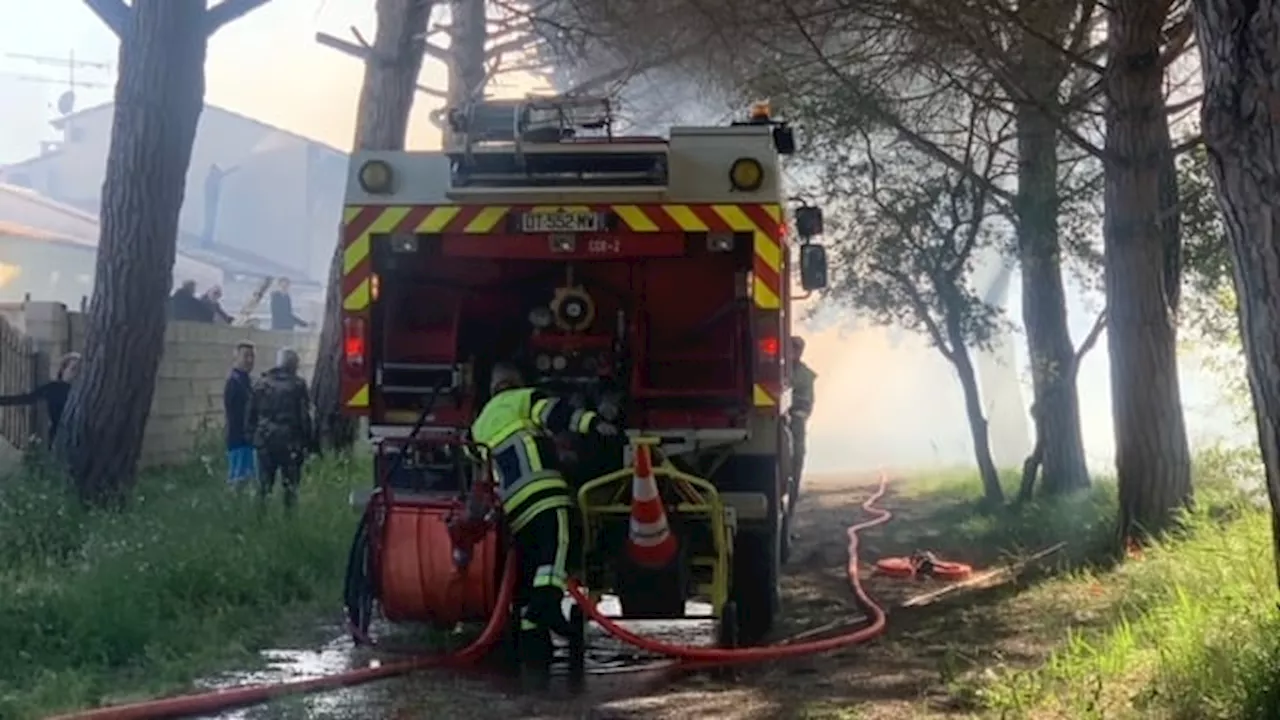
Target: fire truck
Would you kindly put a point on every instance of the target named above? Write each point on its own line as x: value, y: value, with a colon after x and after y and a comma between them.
x: 647, y: 278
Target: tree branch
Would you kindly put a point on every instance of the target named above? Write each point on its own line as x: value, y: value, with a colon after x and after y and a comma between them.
x: 519, y: 43
x: 1014, y: 18
x: 887, y: 118
x: 361, y: 52
x: 921, y: 307
x: 1188, y: 145
x: 436, y: 52
x: 1095, y: 332
x: 228, y: 11
x: 433, y: 92
x: 113, y: 13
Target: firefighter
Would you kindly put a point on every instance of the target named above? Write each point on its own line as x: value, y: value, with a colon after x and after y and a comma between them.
x: 802, y: 379
x: 518, y: 426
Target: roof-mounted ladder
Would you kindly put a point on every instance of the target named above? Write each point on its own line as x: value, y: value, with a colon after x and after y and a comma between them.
x: 549, y: 142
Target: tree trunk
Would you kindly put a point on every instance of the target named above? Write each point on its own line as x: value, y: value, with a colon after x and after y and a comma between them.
x: 467, y: 74
x: 1044, y: 310
x: 992, y: 492
x: 1152, y: 459
x: 1031, y: 466
x: 386, y: 99
x: 158, y: 101
x: 1240, y: 59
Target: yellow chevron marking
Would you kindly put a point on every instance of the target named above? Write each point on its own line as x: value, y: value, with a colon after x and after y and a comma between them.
x: 735, y: 218
x: 765, y: 297
x: 684, y: 216
x: 438, y: 219
x: 486, y: 220
x: 358, y: 299
x: 350, y: 212
x: 775, y: 212
x: 357, y: 251
x: 635, y: 218
x: 769, y: 251
x: 360, y: 399
x: 761, y: 398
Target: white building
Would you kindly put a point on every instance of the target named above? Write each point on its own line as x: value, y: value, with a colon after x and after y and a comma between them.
x: 256, y: 196
x: 49, y: 251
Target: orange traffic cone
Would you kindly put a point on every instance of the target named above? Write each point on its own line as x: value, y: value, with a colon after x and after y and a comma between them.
x: 650, y: 543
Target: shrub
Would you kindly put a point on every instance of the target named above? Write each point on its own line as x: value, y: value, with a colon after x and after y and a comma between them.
x: 188, y: 578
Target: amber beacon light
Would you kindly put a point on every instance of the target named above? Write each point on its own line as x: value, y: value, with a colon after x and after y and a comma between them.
x: 746, y: 174
x: 376, y: 177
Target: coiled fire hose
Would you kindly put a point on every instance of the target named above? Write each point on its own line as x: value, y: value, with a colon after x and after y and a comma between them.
x: 220, y: 700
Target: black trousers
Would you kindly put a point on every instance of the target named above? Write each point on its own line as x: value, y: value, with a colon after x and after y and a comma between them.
x: 546, y: 545
x: 285, y: 462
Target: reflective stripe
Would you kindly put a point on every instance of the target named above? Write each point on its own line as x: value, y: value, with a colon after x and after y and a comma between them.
x: 527, y: 624
x: 562, y: 547
x: 529, y: 443
x: 542, y: 409
x: 526, y: 486
x: 526, y: 462
x: 505, y: 432
x: 517, y: 520
x: 580, y: 421
x: 548, y: 577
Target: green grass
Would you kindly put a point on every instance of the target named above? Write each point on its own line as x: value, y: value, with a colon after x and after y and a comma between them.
x: 100, y: 607
x: 1190, y: 630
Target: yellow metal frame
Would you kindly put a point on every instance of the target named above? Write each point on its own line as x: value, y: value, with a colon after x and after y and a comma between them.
x: 699, y: 497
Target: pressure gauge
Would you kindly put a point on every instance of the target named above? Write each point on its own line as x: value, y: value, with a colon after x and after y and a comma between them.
x: 543, y: 363
x: 560, y: 362
x: 540, y: 317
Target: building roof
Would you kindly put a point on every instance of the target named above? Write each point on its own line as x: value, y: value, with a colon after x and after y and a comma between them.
x: 61, y: 122
x: 239, y: 262
x: 23, y: 231
x: 31, y: 160
x: 35, y: 198
x: 27, y: 232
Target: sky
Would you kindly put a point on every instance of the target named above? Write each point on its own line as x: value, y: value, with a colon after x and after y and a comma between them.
x: 268, y: 66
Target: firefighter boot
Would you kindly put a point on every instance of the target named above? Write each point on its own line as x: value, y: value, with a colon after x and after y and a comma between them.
x: 536, y: 653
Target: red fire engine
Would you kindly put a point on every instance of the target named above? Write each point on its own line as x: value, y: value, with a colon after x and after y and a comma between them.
x: 647, y: 278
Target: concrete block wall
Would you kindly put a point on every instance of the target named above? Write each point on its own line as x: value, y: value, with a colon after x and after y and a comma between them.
x: 193, y: 370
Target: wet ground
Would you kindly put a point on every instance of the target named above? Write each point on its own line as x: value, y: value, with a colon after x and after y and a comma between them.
x: 815, y: 594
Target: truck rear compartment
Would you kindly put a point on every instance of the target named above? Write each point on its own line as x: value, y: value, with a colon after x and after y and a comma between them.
x: 669, y: 338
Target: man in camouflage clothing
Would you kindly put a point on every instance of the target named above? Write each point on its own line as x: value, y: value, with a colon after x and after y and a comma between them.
x: 281, y: 420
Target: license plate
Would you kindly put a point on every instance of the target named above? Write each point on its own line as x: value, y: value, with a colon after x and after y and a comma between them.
x: 560, y: 221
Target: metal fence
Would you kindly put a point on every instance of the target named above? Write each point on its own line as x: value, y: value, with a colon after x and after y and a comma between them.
x: 19, y: 373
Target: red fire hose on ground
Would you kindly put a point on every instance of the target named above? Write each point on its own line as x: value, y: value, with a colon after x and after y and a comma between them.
x: 220, y: 700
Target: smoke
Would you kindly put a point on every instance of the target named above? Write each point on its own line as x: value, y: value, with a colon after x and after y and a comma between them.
x: 884, y: 397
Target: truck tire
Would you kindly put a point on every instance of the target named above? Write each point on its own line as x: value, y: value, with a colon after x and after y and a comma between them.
x: 754, y: 588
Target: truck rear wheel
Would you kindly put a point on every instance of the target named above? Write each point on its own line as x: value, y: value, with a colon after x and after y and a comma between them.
x: 754, y: 590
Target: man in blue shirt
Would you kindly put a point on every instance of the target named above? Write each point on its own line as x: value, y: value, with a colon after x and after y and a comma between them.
x: 237, y: 400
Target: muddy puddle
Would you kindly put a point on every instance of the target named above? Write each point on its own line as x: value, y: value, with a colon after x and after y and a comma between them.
x: 614, y: 667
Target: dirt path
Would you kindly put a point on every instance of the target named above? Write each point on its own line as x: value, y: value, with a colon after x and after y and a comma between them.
x: 902, y: 676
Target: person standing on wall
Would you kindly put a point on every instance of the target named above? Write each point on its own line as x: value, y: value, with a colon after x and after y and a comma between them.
x: 282, y: 434
x: 282, y: 317
x: 53, y: 393
x: 237, y: 400
x: 212, y: 300
x: 184, y: 306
